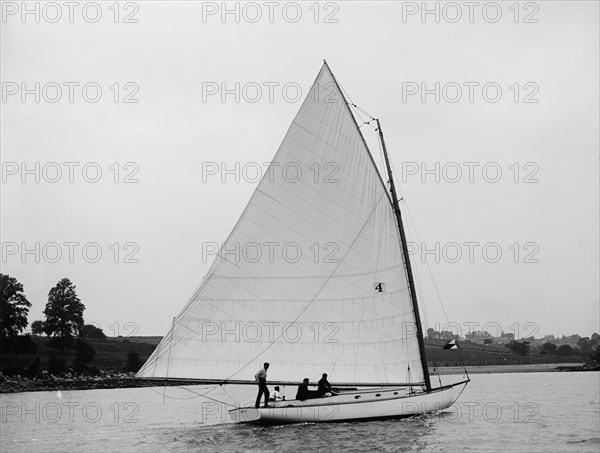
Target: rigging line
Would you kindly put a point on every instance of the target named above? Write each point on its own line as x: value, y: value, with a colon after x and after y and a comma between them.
x: 187, y: 327
x: 362, y: 118
x: 418, y: 280
x: 156, y: 353
x: 461, y: 392
x: 382, y: 158
x: 367, y: 123
x: 211, y: 271
x: 354, y: 332
x: 417, y: 285
x: 357, y: 113
x: 357, y: 109
x: 350, y: 103
x: 317, y: 293
x: 182, y: 388
x: 375, y: 307
x: 231, y: 397
x: 421, y: 295
x: 382, y: 161
x: 169, y: 357
x: 372, y: 320
x: 203, y: 395
x: 297, y: 277
x: 427, y: 263
x: 348, y: 342
x: 365, y: 306
x: 364, y: 111
x: 301, y: 233
x: 224, y: 258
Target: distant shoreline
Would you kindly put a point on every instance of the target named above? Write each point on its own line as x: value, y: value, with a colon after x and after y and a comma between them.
x: 494, y: 369
x: 22, y: 384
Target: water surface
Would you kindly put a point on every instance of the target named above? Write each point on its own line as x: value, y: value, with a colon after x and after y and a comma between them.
x: 537, y: 412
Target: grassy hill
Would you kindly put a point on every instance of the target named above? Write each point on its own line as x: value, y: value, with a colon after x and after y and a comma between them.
x: 471, y: 354
x: 111, y: 354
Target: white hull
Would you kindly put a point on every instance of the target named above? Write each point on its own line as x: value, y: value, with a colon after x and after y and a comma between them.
x: 387, y: 402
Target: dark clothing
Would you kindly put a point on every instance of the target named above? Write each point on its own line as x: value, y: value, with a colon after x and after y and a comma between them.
x: 324, y: 387
x: 302, y: 392
x: 305, y: 394
x: 262, y: 389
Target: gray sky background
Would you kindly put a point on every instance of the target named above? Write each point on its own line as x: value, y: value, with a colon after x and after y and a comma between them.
x: 170, y: 212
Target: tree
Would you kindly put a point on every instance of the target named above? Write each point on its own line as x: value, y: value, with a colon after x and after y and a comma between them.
x: 518, y: 348
x: 548, y: 348
x: 488, y: 341
x: 595, y: 356
x: 56, y: 365
x: 38, y: 327
x: 14, y: 307
x: 585, y: 346
x: 34, y: 368
x: 85, y: 353
x: 91, y: 331
x: 133, y: 362
x: 61, y: 343
x: 18, y: 344
x: 64, y: 311
x: 564, y: 351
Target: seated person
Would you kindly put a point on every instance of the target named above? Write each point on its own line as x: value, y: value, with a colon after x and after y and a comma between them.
x: 305, y: 394
x: 324, y: 386
x: 277, y: 395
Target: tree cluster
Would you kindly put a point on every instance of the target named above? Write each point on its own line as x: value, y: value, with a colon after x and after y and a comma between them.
x: 63, y: 322
x: 433, y: 334
x: 518, y: 347
x: 64, y: 311
x: 14, y: 307
x: 586, y: 349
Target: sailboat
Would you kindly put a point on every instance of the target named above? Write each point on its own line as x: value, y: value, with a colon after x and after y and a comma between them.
x: 314, y: 278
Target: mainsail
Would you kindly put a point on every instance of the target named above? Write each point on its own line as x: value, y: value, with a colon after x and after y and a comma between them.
x: 312, y: 278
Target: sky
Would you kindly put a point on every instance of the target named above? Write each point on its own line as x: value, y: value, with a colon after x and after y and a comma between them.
x: 114, y: 120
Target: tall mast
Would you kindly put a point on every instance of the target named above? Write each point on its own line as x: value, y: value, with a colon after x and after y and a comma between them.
x: 411, y: 282
x: 396, y: 206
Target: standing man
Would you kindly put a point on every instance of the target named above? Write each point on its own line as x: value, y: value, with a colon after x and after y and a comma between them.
x: 261, y: 380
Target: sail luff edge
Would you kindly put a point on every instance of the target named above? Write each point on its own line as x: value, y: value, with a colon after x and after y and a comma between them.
x: 359, y: 132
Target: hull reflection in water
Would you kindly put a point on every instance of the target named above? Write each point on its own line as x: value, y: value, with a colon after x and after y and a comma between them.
x: 387, y: 402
